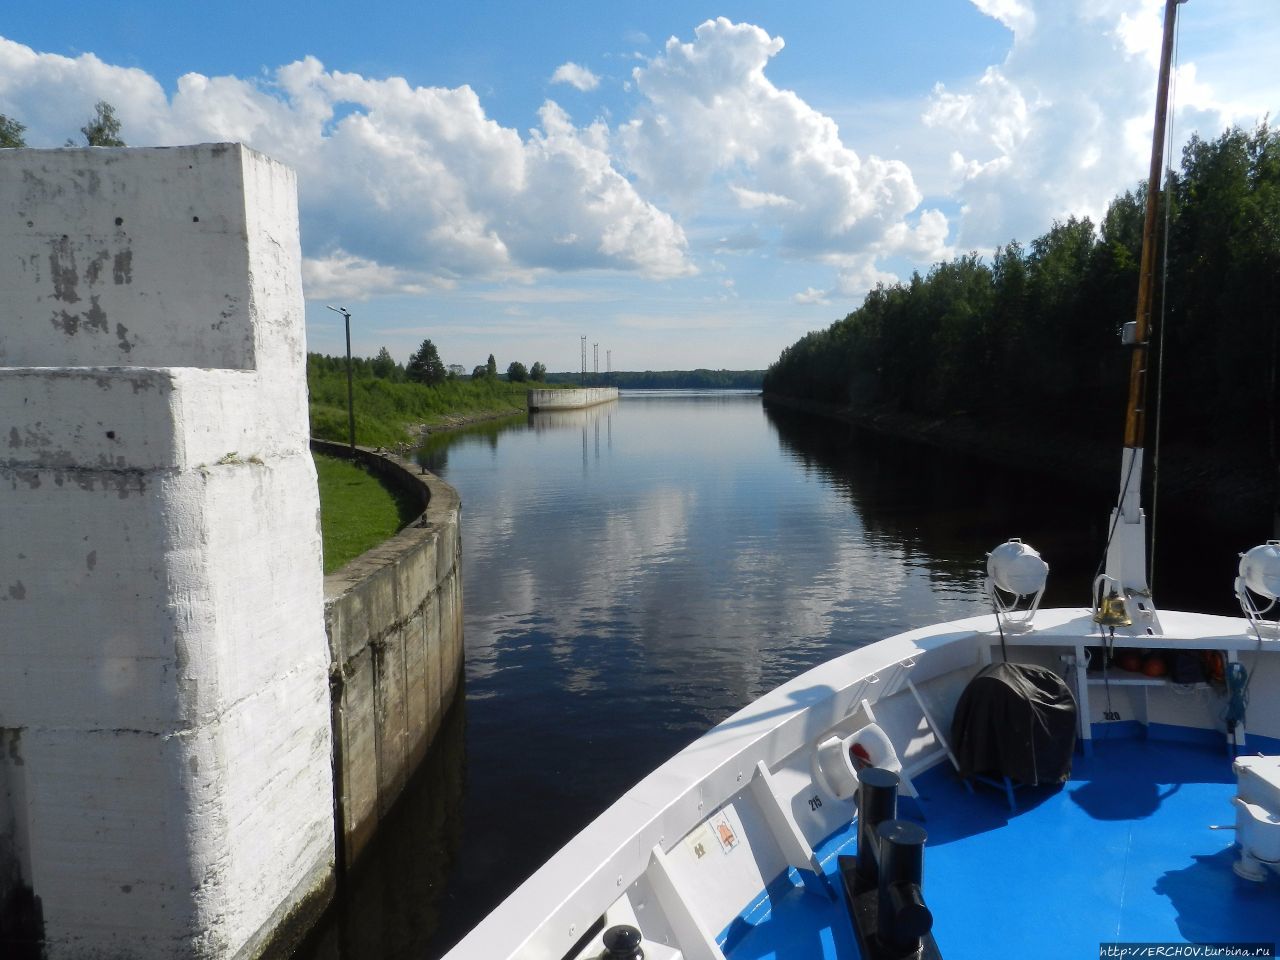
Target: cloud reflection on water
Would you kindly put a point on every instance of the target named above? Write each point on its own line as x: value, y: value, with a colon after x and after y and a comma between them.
x: 684, y: 539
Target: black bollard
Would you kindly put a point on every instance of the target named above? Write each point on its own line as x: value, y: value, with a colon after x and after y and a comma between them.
x: 622, y: 943
x: 877, y: 802
x: 902, y: 915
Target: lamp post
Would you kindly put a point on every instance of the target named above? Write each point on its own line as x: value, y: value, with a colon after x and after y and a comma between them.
x: 351, y: 408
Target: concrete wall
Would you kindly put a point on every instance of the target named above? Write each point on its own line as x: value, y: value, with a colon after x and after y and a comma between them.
x: 164, y: 701
x: 394, y: 619
x: 570, y: 399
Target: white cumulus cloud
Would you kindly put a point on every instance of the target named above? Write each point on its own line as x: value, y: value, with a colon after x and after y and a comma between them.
x: 575, y: 76
x: 711, y: 124
x: 408, y: 188
x: 1063, y: 123
x: 402, y: 188
x: 811, y: 295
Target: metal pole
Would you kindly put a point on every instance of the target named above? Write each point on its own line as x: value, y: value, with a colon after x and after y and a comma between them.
x: 351, y: 407
x: 1135, y: 416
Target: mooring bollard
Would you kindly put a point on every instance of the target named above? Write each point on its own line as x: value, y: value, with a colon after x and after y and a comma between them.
x: 877, y: 802
x: 622, y: 943
x: 903, y: 917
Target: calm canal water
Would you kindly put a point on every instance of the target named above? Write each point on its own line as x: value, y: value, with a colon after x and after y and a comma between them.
x: 636, y: 572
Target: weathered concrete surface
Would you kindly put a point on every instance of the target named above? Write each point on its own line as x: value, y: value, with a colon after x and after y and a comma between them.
x: 164, y: 699
x: 394, y: 619
x: 570, y: 399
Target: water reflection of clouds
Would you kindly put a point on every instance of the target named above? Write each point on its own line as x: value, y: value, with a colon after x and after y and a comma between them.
x: 578, y: 582
x: 692, y: 557
x: 654, y: 531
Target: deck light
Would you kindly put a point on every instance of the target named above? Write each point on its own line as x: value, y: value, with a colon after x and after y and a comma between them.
x: 1015, y: 570
x: 1259, y: 577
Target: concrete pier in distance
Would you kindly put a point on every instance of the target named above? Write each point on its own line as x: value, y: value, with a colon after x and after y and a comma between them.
x: 574, y: 399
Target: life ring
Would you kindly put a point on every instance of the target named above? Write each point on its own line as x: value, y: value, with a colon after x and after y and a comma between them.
x: 837, y: 760
x: 871, y: 747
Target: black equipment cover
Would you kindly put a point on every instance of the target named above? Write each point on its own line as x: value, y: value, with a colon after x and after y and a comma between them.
x: 1015, y: 720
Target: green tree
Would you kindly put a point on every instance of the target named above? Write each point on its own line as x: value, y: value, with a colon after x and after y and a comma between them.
x: 11, y: 132
x: 491, y: 368
x: 516, y: 372
x: 103, y: 128
x: 480, y: 372
x: 383, y: 365
x: 1032, y: 335
x: 425, y: 366
x: 538, y: 372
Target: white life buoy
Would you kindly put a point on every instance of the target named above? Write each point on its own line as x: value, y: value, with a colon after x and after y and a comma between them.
x: 838, y: 760
x: 871, y: 747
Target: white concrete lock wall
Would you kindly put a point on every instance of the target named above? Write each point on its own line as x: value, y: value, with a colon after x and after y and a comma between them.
x: 569, y: 399
x: 164, y: 691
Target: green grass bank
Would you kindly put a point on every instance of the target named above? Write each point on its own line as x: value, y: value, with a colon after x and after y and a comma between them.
x: 390, y: 411
x: 357, y: 512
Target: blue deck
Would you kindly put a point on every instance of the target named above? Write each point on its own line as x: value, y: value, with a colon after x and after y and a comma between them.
x: 1121, y: 853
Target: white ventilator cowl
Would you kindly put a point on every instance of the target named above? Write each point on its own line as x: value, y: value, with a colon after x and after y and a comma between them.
x: 1015, y: 567
x: 1260, y: 569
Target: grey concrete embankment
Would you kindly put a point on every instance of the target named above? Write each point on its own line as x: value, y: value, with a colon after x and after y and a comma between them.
x: 394, y: 620
x: 570, y: 399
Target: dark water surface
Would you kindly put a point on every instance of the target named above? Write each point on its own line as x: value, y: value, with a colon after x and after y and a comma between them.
x: 635, y: 572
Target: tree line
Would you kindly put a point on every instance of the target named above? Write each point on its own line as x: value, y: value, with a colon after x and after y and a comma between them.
x: 700, y: 379
x: 1032, y: 334
x: 424, y: 366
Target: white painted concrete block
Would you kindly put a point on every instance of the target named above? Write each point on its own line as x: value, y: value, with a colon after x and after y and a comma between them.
x: 161, y: 605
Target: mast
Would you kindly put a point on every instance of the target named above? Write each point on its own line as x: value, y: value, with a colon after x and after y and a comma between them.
x: 1127, y: 547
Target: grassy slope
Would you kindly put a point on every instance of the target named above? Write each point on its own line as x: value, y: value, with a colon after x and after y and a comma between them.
x: 356, y: 511
x: 388, y: 413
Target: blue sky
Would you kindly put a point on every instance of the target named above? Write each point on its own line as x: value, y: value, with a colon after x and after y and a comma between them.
x: 684, y: 184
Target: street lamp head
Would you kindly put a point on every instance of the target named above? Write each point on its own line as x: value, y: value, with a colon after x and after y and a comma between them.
x: 342, y: 310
